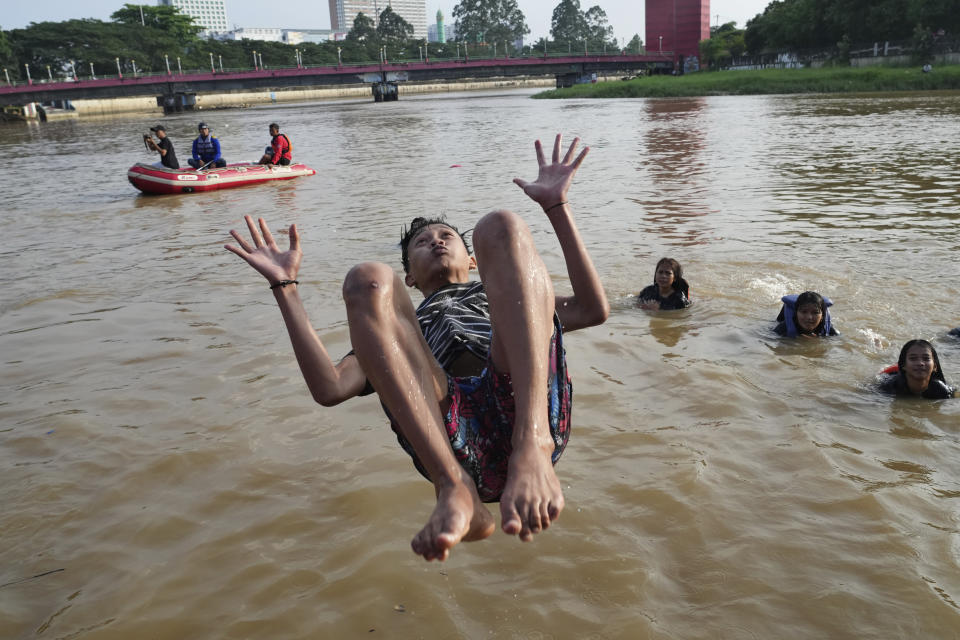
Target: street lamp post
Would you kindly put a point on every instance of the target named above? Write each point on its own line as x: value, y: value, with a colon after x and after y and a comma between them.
x: 213, y: 69
x: 426, y: 51
x: 92, y: 75
x: 660, y: 38
x: 458, y: 51
x: 179, y: 68
x: 133, y: 63
x: 49, y: 74
x: 494, y: 50
x: 220, y: 60
x: 339, y: 59
x: 420, y: 53
x: 7, y: 75
x: 260, y: 58
x: 73, y: 71
x: 254, y: 59
x: 27, y: 67
x: 119, y: 72
x: 167, y: 60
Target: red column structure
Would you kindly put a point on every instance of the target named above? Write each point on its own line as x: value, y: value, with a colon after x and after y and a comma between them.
x: 677, y: 27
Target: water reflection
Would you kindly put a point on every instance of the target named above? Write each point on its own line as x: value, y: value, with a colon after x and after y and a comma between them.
x: 837, y: 178
x: 671, y: 162
x: 667, y: 329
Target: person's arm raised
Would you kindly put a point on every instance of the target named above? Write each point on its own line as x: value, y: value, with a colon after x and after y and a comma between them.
x: 329, y: 383
x: 588, y: 305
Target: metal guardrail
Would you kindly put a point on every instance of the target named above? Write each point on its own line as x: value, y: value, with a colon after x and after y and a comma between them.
x: 161, y: 76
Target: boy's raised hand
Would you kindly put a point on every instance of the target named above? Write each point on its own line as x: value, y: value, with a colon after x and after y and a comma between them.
x: 265, y: 256
x: 553, y: 180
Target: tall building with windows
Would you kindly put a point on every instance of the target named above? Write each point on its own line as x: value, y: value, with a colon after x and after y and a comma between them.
x: 677, y: 26
x: 343, y: 12
x: 211, y: 15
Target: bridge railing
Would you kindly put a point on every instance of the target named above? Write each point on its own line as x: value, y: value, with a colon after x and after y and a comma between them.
x: 162, y: 75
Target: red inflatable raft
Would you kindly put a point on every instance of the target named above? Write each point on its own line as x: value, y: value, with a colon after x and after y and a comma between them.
x: 151, y: 179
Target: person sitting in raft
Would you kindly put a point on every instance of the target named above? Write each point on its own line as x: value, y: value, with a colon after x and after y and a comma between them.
x: 669, y: 290
x: 163, y: 146
x: 280, y: 150
x: 954, y: 332
x: 917, y: 373
x: 206, y: 149
x: 474, y: 381
x: 806, y: 315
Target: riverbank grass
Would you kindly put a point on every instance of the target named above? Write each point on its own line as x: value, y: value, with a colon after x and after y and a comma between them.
x: 770, y: 81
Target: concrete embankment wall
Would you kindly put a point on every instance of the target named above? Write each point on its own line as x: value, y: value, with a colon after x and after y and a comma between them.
x: 902, y: 61
x: 148, y: 104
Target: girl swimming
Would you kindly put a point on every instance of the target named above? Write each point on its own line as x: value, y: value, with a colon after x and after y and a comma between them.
x: 668, y: 291
x: 806, y: 314
x: 917, y: 373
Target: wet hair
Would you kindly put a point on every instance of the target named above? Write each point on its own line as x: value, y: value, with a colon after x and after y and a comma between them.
x: 678, y: 282
x: 274, y: 125
x: 902, y: 360
x: 808, y: 298
x: 416, y: 226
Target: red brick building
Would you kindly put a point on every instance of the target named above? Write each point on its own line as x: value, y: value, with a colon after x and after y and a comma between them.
x: 677, y: 26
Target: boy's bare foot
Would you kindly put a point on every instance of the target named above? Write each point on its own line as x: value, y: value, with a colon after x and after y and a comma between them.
x: 532, y: 498
x: 458, y: 516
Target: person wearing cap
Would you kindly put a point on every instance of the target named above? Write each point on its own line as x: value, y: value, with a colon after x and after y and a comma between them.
x: 280, y: 150
x: 206, y: 149
x: 168, y: 157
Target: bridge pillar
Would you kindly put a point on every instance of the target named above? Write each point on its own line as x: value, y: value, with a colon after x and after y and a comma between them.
x: 177, y: 101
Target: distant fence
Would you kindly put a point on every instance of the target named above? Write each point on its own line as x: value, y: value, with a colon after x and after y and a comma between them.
x: 889, y: 52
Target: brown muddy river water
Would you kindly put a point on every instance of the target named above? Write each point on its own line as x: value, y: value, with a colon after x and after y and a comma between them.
x: 162, y: 459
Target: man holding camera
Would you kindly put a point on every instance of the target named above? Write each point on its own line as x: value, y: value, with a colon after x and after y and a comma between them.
x: 168, y: 157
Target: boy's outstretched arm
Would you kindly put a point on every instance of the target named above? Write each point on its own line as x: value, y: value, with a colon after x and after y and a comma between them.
x: 588, y: 305
x: 329, y: 383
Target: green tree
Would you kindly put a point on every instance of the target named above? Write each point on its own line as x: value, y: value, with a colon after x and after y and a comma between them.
x: 799, y: 24
x: 82, y: 41
x: 363, y: 29
x: 489, y: 21
x: 922, y: 45
x: 6, y: 51
x: 163, y: 18
x: 598, y: 30
x: 725, y: 42
x: 636, y: 44
x: 392, y: 26
x: 568, y: 23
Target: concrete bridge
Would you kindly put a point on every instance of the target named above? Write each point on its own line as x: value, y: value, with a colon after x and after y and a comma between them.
x: 565, y: 68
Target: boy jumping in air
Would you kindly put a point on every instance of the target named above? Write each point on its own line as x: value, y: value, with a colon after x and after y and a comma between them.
x: 474, y: 380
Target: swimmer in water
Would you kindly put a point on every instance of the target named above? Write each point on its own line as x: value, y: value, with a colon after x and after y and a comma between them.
x: 918, y: 373
x: 669, y: 290
x: 806, y: 315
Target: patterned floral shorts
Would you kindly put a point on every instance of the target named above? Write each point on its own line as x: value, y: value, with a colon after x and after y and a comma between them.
x: 480, y: 420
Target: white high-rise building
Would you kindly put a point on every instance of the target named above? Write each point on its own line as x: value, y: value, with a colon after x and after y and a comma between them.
x: 211, y: 15
x: 343, y: 12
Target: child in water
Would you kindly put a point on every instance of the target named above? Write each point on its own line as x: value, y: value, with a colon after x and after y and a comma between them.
x: 806, y: 314
x: 669, y: 290
x: 917, y: 373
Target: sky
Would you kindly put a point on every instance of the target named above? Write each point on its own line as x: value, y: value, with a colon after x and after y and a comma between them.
x: 625, y: 16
